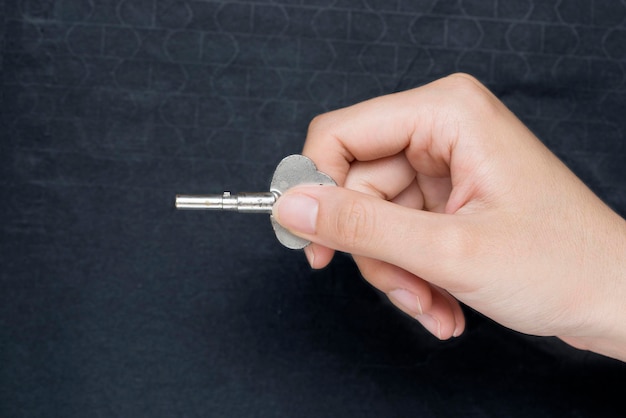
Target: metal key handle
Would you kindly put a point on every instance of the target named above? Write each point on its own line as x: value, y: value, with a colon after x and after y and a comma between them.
x: 291, y: 171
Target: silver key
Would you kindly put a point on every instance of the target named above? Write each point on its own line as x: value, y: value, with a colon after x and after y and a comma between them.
x: 291, y: 171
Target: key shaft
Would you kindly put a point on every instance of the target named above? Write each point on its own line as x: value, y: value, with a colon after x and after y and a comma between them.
x: 241, y: 202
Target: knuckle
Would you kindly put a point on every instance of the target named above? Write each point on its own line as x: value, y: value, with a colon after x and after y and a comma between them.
x: 319, y: 123
x: 464, y: 82
x: 470, y: 92
x: 354, y: 225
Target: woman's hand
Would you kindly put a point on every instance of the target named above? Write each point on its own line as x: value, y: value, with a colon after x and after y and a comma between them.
x: 445, y: 195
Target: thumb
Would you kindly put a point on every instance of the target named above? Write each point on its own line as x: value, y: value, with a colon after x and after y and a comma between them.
x: 421, y: 242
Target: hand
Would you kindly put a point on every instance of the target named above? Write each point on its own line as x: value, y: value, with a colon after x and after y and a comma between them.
x: 446, y: 196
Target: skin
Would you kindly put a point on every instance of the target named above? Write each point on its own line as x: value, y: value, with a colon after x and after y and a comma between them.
x: 446, y: 196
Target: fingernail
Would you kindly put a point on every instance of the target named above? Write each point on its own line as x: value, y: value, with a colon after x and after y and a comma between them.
x: 407, y: 300
x: 431, y: 324
x: 457, y: 332
x: 310, y: 255
x: 297, y: 212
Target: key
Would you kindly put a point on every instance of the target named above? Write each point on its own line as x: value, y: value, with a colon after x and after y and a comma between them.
x: 291, y: 171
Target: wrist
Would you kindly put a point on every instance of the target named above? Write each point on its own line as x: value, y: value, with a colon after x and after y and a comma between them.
x: 604, y: 331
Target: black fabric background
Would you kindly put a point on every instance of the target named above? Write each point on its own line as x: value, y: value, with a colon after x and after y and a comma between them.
x: 114, y: 304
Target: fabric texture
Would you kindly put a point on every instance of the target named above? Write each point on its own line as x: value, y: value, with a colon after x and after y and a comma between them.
x: 114, y: 304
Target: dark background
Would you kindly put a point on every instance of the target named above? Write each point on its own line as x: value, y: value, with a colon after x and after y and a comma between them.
x: 114, y: 304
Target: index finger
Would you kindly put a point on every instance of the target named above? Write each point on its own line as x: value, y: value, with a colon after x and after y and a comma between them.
x: 377, y: 128
x: 426, y: 123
